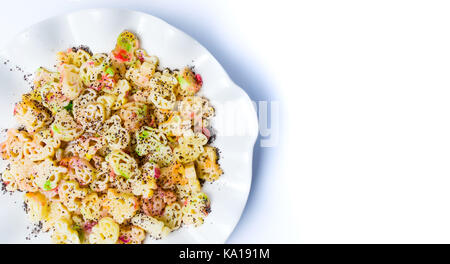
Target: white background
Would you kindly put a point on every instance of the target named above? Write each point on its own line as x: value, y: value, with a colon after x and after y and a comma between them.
x: 364, y: 90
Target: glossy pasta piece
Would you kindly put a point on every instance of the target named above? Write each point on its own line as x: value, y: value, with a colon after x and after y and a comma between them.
x: 116, y: 136
x: 13, y: 147
x: 101, y: 181
x: 80, y: 57
x: 64, y: 233
x: 191, y: 176
x: 120, y: 68
x: 195, y: 106
x: 146, y: 183
x: 47, y: 90
x: 163, y: 156
x: 90, y: 207
x: 172, y: 216
x: 186, y: 153
x: 153, y: 226
x: 143, y: 186
x: 143, y: 95
x: 175, y: 126
x: 31, y: 114
x: 21, y: 172
x: 155, y: 205
x: 143, y: 56
x: 78, y: 221
x: 65, y: 128
x: 86, y: 97
x: 43, y: 76
x: 47, y: 174
x: 140, y: 72
x: 76, y: 148
x: 97, y: 73
x: 37, y: 206
x: 71, y: 83
x: 9, y: 180
x: 57, y: 211
x: 131, y: 234
x: 134, y: 75
x: 108, y: 101
x: 172, y: 176
x: 207, y: 167
x: 195, y: 209
x: 91, y: 145
x: 121, y: 206
x: 192, y: 138
x: 162, y: 85
x: 134, y: 114
x: 42, y: 146
x: 198, y: 110
x: 81, y: 171
x: 71, y: 195
x: 113, y: 121
x: 105, y: 232
x: 190, y: 147
x: 189, y: 82
x: 183, y: 191
x: 52, y: 98
x: 126, y: 45
x: 149, y: 140
x: 120, y: 183
x: 122, y: 164
x: 121, y: 90
x: 74, y: 57
x: 91, y: 116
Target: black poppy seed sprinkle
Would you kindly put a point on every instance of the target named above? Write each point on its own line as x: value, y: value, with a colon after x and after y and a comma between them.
x: 4, y: 190
x: 84, y: 48
x: 35, y: 231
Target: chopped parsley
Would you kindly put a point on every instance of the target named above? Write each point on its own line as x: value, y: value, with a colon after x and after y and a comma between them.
x: 109, y: 71
x: 123, y: 174
x: 56, y: 129
x: 69, y: 107
x: 48, y: 185
x: 138, y: 152
x: 141, y: 111
x: 76, y: 227
x: 144, y: 134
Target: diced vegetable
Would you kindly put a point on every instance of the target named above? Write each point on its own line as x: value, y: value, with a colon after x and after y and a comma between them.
x: 110, y: 71
x: 56, y: 129
x: 188, y: 81
x: 69, y: 107
x: 48, y: 186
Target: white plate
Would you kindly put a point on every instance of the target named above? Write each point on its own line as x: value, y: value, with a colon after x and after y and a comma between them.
x: 235, y: 122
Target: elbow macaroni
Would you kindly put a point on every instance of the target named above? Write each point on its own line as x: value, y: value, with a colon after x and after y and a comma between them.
x: 121, y: 206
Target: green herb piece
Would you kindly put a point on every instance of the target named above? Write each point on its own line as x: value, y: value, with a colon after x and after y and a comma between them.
x: 144, y: 134
x: 141, y: 111
x: 56, y: 129
x: 123, y: 174
x: 110, y: 71
x: 69, y: 107
x: 47, y: 185
x: 76, y: 227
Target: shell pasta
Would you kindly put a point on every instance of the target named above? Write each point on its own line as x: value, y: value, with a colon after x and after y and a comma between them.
x: 111, y: 148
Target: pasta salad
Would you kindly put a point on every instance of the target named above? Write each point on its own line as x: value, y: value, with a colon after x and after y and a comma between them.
x: 111, y: 148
